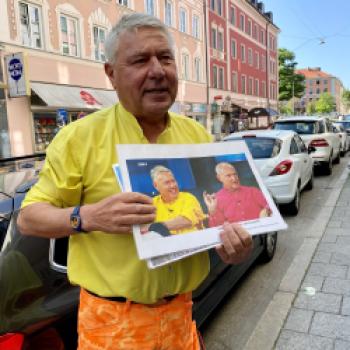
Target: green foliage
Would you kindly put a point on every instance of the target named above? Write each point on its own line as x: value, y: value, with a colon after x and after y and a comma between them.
x: 290, y: 83
x: 311, y: 108
x: 346, y: 98
x: 325, y: 103
x: 287, y: 108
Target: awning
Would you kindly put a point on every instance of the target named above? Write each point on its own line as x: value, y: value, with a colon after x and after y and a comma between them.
x: 68, y: 96
x: 262, y: 112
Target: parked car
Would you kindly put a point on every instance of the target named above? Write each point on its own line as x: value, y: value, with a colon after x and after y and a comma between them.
x: 344, y: 137
x: 345, y: 124
x: 317, y: 132
x: 283, y: 161
x: 38, y: 304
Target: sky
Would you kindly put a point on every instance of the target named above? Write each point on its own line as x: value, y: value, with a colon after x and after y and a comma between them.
x: 317, y: 31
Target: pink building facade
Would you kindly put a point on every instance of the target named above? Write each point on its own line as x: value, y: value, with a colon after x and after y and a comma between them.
x: 243, y: 58
x: 62, y: 46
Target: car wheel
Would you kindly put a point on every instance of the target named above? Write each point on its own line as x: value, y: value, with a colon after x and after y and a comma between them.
x: 294, y: 205
x: 337, y: 160
x: 328, y: 167
x: 269, y: 247
x: 310, y: 185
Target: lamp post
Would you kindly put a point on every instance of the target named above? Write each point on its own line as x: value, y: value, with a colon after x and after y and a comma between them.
x: 293, y: 96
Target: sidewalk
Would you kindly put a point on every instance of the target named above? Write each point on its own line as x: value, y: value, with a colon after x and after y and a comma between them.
x: 311, y: 309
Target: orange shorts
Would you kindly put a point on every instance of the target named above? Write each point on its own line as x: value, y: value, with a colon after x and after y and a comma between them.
x: 111, y: 325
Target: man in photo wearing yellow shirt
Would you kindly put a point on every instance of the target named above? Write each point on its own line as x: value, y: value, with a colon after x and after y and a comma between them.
x: 123, y: 304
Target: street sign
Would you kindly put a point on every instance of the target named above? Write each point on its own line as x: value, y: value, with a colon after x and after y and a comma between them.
x: 17, y: 82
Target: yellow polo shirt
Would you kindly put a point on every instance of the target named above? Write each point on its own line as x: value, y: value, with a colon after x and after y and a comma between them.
x: 185, y: 205
x: 78, y: 170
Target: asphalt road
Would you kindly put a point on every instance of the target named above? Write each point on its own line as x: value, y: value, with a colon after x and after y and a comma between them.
x: 231, y: 325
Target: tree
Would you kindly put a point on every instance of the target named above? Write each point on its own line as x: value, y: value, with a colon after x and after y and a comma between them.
x: 346, y: 98
x: 286, y: 108
x: 290, y: 84
x: 311, y: 108
x: 325, y: 104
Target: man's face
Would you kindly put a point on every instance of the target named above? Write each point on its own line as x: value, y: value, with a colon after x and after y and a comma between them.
x: 229, y: 178
x: 167, y: 186
x: 144, y: 73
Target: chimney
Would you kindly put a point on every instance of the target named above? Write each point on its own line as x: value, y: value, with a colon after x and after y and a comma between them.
x: 269, y: 16
x: 261, y: 7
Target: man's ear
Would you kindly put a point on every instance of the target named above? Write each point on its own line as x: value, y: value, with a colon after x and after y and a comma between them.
x: 109, y: 70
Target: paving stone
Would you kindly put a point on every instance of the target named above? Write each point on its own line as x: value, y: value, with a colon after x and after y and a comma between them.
x: 342, y: 345
x: 299, y: 320
x: 334, y: 223
x: 318, y: 302
x: 289, y: 340
x: 328, y: 270
x: 332, y: 247
x: 341, y: 259
x: 336, y: 286
x: 344, y: 240
x: 313, y: 281
x: 322, y: 257
x: 331, y: 326
x: 345, y: 310
x: 338, y: 231
x: 329, y: 238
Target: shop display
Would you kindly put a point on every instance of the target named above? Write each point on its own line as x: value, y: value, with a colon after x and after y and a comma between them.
x: 45, y: 129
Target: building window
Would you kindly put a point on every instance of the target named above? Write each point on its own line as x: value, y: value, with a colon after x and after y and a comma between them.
x: 215, y: 76
x: 30, y: 25
x: 243, y: 83
x: 242, y: 53
x: 250, y: 57
x: 263, y: 89
x: 262, y: 37
x: 241, y: 22
x: 255, y: 31
x: 220, y: 41
x: 99, y: 40
x: 250, y: 86
x: 123, y: 2
x: 195, y: 26
x: 221, y: 78
x: 257, y: 60
x: 168, y: 13
x: 233, y: 48
x: 212, y: 5
x: 213, y: 38
x: 325, y: 90
x: 219, y: 4
x: 256, y: 87
x: 197, y: 69
x: 249, y: 27
x: 233, y: 16
x: 183, y: 15
x: 150, y: 7
x: 234, y: 82
x: 185, y: 66
x: 69, y: 35
x: 263, y: 63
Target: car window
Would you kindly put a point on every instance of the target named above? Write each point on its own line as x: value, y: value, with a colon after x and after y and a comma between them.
x: 300, y: 143
x: 261, y: 147
x: 320, y: 128
x: 293, y: 147
x: 301, y: 127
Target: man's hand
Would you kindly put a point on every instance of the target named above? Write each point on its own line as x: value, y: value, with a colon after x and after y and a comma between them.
x: 237, y: 244
x: 118, y: 213
x: 210, y: 201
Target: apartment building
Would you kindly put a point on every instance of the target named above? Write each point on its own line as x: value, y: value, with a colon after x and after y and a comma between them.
x: 243, y: 58
x: 318, y: 82
x: 55, y: 48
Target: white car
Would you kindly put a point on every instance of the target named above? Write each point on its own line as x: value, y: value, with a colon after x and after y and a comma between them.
x: 317, y: 132
x: 283, y: 162
x: 344, y: 137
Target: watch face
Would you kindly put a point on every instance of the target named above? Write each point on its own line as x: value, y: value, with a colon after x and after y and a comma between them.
x: 75, y: 221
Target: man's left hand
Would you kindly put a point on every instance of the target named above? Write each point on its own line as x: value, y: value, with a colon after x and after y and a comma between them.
x: 237, y: 244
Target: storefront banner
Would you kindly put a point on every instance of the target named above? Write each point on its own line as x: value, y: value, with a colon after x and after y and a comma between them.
x: 17, y: 81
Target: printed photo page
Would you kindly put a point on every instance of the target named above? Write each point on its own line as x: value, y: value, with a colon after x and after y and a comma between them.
x: 195, y: 189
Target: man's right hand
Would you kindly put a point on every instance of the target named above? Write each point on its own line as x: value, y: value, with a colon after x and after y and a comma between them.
x: 118, y: 213
x: 210, y: 201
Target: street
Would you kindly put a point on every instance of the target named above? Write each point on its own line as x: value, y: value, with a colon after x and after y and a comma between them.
x: 235, y: 320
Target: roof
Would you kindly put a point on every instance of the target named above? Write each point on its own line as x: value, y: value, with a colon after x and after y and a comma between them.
x: 280, y: 134
x: 310, y: 73
x: 287, y: 119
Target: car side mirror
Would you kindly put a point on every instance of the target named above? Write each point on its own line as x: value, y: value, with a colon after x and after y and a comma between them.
x: 311, y: 149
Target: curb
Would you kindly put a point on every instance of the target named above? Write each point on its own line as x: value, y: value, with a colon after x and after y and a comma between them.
x: 271, y: 322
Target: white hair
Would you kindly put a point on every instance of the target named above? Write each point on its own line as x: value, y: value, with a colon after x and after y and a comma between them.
x: 157, y: 170
x: 220, y: 167
x: 129, y: 23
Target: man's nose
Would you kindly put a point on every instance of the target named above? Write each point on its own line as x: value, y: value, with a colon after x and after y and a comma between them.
x: 156, y: 68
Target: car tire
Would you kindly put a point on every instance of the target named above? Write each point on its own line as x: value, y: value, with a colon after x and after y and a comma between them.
x: 270, y: 244
x: 310, y: 184
x: 294, y: 206
x: 328, y: 167
x: 337, y: 160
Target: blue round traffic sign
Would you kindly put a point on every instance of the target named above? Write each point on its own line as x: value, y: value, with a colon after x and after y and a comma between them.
x: 15, y: 68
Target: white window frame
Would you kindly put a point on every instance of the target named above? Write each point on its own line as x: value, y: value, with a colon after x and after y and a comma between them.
x: 233, y: 48
x: 76, y: 24
x: 185, y: 65
x: 219, y: 7
x: 215, y: 76
x: 99, y: 52
x: 250, y: 86
x: 197, y: 69
x: 183, y: 20
x: 257, y: 60
x: 214, y: 38
x: 242, y: 22
x: 233, y: 15
x: 196, y: 26
x: 243, y: 58
x: 243, y: 84
x: 256, y: 89
x: 169, y: 16
x: 150, y: 7
x: 221, y: 80
x: 123, y: 3
x: 220, y: 45
x: 249, y: 27
x: 250, y: 56
x: 234, y: 82
x: 31, y: 40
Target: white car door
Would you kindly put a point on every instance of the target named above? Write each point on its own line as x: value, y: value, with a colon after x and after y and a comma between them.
x: 306, y: 161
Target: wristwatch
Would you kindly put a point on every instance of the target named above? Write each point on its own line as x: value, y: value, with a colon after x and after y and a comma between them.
x: 75, y: 220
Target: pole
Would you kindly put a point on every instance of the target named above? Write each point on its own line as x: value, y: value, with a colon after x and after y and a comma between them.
x: 293, y: 96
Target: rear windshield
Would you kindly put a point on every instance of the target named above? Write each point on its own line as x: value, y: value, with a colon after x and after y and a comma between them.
x: 346, y: 125
x: 301, y: 127
x: 261, y: 147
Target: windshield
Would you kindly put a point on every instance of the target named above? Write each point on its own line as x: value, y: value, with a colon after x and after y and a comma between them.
x: 346, y: 125
x: 261, y: 147
x: 301, y: 127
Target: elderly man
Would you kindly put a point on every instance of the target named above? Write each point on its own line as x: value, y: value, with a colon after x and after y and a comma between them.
x: 234, y: 202
x: 178, y: 212
x: 123, y: 305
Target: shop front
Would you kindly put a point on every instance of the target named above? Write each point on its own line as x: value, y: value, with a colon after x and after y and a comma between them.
x: 197, y: 111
